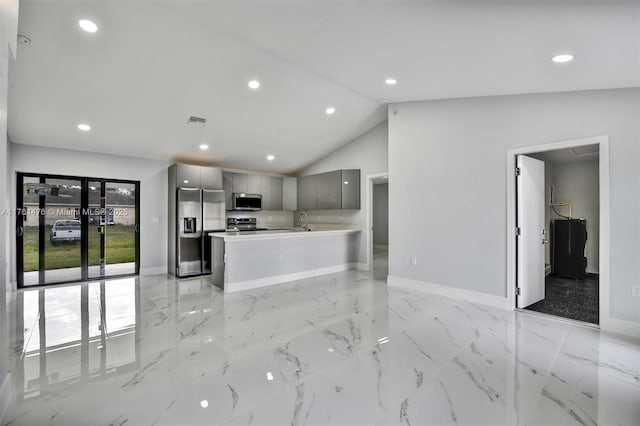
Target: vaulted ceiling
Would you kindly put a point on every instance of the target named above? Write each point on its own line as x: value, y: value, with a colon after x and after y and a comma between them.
x: 152, y: 64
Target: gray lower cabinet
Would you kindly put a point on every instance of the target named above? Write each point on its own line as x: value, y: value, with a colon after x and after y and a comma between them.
x: 339, y: 189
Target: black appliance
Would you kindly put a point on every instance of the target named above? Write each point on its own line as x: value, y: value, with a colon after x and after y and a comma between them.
x: 189, y: 225
x: 569, y: 241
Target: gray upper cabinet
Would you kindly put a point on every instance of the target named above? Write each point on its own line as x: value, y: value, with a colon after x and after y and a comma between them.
x: 265, y: 190
x: 289, y: 193
x: 307, y: 192
x: 227, y: 180
x: 188, y: 176
x: 254, y: 185
x: 240, y: 183
x: 350, y: 183
x: 329, y: 192
x: 339, y: 189
x: 211, y: 178
x: 276, y: 192
x: 270, y: 187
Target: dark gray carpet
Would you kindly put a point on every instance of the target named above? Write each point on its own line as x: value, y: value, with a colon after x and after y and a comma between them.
x: 568, y: 298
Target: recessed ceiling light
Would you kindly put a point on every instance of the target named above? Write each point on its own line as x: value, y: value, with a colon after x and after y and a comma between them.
x: 390, y: 81
x: 204, y: 147
x: 330, y: 111
x: 254, y: 84
x: 185, y: 181
x: 88, y: 26
x: 271, y: 157
x: 561, y: 59
x: 84, y: 127
x: 204, y: 403
x: 346, y: 182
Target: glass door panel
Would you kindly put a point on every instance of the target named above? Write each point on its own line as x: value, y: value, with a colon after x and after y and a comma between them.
x: 29, y: 231
x: 112, y: 229
x: 63, y: 231
x: 97, y: 222
x: 121, y: 228
x: 50, y: 230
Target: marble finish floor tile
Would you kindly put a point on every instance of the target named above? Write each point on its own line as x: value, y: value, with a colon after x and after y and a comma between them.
x: 339, y: 349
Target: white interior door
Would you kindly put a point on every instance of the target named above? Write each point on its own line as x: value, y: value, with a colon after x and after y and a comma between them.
x: 531, y: 238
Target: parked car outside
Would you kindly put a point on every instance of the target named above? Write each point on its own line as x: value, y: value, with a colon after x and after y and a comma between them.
x: 65, y: 231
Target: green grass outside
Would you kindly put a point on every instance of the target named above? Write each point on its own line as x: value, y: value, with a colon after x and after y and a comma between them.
x: 120, y: 248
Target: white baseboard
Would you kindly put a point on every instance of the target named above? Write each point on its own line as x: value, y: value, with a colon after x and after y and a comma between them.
x: 5, y: 397
x: 619, y: 326
x: 278, y: 279
x: 447, y: 291
x: 158, y: 270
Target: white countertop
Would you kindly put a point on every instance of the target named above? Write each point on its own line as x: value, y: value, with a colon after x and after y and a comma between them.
x: 280, y: 234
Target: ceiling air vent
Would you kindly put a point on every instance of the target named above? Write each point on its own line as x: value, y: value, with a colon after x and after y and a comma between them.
x: 197, y: 121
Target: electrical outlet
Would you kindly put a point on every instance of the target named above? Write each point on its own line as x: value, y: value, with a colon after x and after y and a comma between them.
x: 635, y: 290
x: 413, y: 261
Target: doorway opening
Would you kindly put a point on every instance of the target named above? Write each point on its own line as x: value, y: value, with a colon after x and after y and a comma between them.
x: 558, y: 232
x: 73, y: 229
x: 379, y: 229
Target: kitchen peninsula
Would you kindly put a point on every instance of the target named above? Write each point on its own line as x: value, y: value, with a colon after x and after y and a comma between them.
x: 244, y: 261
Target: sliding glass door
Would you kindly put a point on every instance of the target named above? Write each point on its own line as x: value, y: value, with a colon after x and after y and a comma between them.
x: 75, y: 228
x: 112, y: 228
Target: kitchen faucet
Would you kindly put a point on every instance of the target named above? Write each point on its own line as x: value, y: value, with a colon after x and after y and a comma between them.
x: 306, y: 220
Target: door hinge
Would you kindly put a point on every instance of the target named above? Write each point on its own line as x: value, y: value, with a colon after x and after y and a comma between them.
x: 518, y: 231
x: 518, y: 171
x: 517, y: 291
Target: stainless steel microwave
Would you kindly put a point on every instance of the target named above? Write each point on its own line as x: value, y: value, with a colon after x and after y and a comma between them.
x: 247, y: 202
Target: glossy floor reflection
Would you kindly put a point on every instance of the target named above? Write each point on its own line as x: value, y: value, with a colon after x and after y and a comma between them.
x: 339, y: 349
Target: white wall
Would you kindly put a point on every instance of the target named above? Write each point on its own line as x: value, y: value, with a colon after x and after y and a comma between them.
x: 369, y: 153
x: 578, y: 183
x: 152, y: 175
x: 447, y: 159
x: 8, y: 34
x: 381, y: 213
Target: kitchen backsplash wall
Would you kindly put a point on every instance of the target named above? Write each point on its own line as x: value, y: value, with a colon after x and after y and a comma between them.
x: 267, y: 219
x: 348, y: 218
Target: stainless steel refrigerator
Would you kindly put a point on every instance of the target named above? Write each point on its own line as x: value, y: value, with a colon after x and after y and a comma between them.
x: 200, y: 211
x: 196, y: 208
